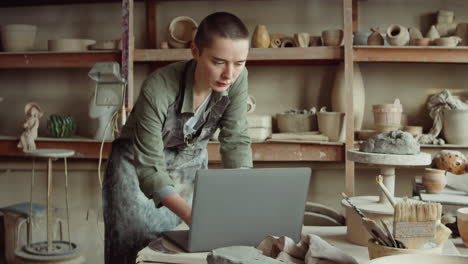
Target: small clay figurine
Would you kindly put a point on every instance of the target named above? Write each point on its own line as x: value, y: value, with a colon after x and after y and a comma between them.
x: 33, y: 112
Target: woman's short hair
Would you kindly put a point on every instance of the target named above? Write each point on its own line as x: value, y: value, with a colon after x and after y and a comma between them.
x: 221, y: 24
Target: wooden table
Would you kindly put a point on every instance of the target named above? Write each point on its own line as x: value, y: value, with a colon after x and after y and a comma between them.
x: 336, y: 236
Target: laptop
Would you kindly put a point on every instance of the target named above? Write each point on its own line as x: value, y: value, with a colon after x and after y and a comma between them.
x: 243, y: 206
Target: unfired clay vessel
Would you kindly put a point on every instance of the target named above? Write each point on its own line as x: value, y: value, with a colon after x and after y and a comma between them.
x: 315, y: 41
x: 422, y: 42
x: 332, y: 37
x: 456, y: 126
x: 397, y: 35
x: 447, y: 41
x: 18, y: 37
x: 180, y: 32
x: 414, y: 34
x: 332, y: 125
x: 339, y: 98
x: 432, y: 33
x: 462, y: 224
x: 260, y: 37
x: 295, y: 122
x: 375, y: 38
x: 434, y: 180
x: 302, y: 39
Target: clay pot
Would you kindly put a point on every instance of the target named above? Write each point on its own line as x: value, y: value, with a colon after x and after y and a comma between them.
x: 455, y: 126
x: 413, y: 130
x: 332, y: 37
x: 295, y: 122
x: 315, y: 41
x: 332, y: 125
x: 69, y: 45
x: 462, y: 32
x: 462, y: 224
x: 433, y: 33
x: 375, y: 38
x: 338, y: 94
x: 18, y: 37
x: 434, y: 180
x: 260, y: 37
x: 180, y: 32
x: 422, y: 42
x: 414, y: 34
x: 397, y: 35
x: 447, y: 41
x: 163, y: 45
x: 302, y: 39
x: 387, y: 117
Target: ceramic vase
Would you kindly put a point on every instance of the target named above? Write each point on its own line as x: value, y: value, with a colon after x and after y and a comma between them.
x: 433, y: 33
x: 260, y: 37
x: 455, y: 126
x: 61, y: 126
x: 375, y: 38
x: 397, y: 35
x: 339, y: 98
x: 434, y: 180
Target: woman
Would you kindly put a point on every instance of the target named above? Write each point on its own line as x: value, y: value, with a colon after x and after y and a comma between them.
x: 150, y: 173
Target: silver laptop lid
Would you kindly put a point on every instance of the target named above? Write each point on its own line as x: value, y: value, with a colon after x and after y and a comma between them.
x: 243, y: 206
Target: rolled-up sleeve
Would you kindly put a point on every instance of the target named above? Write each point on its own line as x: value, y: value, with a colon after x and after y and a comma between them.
x: 150, y: 114
x: 235, y: 146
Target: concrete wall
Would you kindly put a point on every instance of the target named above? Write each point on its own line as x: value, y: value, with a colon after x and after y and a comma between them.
x: 67, y: 91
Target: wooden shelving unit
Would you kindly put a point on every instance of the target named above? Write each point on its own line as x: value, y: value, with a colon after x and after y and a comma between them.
x: 429, y: 54
x: 13, y: 60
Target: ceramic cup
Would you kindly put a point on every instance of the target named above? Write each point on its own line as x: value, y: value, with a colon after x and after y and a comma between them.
x: 315, y: 41
x: 434, y: 180
x: 462, y: 223
x: 331, y: 124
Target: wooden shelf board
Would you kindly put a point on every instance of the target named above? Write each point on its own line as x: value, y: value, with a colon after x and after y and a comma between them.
x: 45, y: 59
x: 87, y: 148
x: 429, y: 54
x: 11, y: 3
x: 256, y: 55
x: 287, y: 152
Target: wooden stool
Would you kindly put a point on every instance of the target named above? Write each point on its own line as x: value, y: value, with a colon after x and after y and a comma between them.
x: 50, y: 251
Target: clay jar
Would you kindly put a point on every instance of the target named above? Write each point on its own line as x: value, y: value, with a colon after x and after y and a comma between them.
x: 375, y: 38
x: 260, y: 37
x: 434, y: 180
x: 180, y: 32
x: 332, y: 37
x: 397, y: 35
x: 462, y: 224
x: 455, y: 126
x: 331, y: 124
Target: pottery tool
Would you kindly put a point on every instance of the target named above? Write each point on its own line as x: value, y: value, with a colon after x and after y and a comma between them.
x: 371, y: 226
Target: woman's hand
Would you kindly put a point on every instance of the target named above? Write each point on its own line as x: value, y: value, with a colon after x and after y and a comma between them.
x: 178, y: 206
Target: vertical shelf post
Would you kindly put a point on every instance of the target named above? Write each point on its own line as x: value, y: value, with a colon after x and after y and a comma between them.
x: 348, y: 61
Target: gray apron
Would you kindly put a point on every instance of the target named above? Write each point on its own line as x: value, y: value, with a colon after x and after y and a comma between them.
x: 131, y: 219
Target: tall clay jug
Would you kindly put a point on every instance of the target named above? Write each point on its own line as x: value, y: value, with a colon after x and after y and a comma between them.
x: 339, y: 99
x: 260, y: 37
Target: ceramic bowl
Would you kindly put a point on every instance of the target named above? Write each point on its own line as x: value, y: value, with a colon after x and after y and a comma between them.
x: 462, y: 224
x: 295, y: 122
x: 378, y: 251
x: 69, y: 45
x: 18, y: 37
x: 420, y: 258
x: 181, y: 32
x: 332, y: 37
x: 422, y: 42
x: 447, y: 41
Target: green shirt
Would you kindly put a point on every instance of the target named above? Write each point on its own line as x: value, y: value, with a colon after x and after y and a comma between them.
x: 145, y: 124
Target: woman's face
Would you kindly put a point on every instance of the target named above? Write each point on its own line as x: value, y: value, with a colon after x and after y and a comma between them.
x: 219, y: 65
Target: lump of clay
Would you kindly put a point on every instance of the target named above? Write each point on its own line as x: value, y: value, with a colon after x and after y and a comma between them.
x: 392, y: 142
x: 239, y: 255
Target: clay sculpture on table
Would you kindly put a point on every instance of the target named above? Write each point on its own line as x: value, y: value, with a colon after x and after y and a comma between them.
x: 33, y: 113
x: 392, y: 142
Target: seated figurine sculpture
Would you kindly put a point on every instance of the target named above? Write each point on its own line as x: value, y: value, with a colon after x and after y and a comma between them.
x: 33, y: 112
